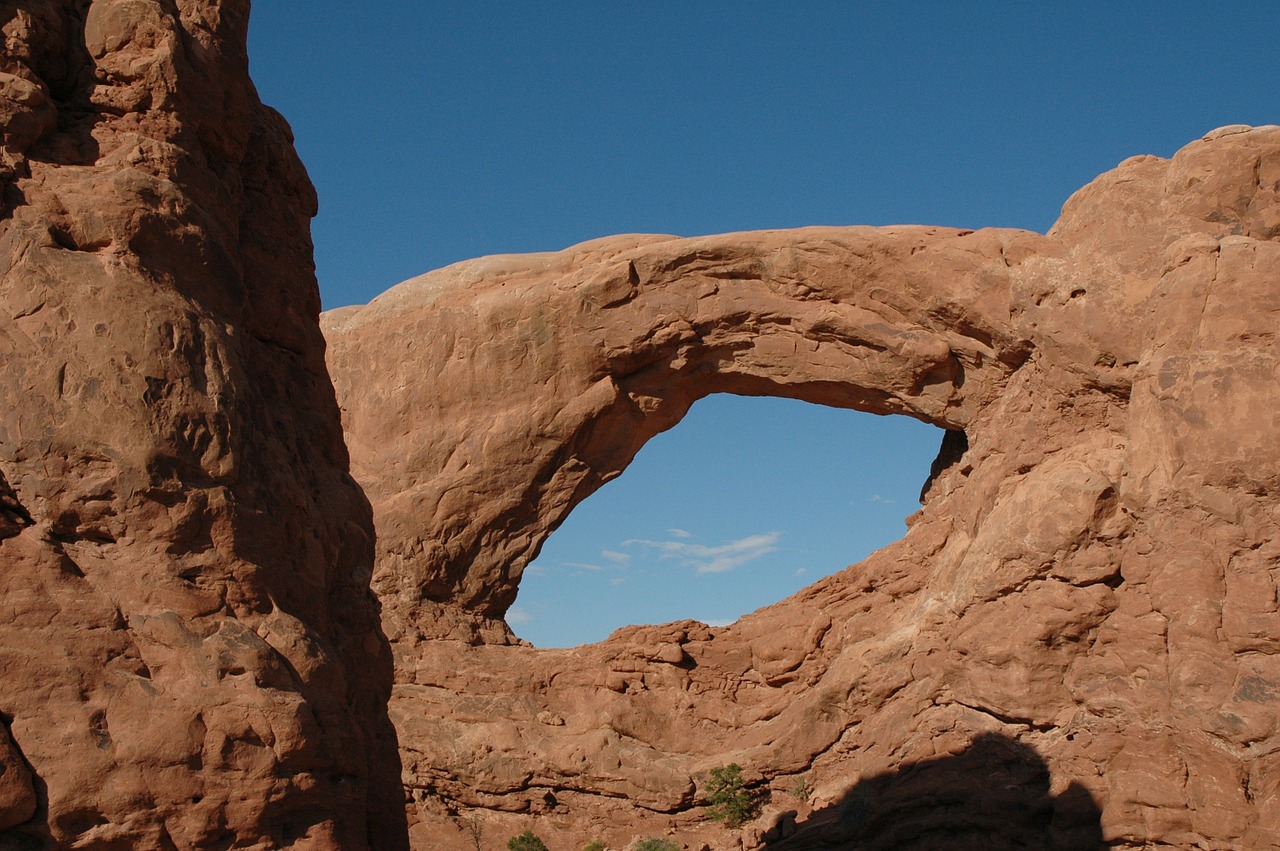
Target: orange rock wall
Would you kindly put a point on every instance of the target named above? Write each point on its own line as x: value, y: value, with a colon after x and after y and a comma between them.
x: 1084, y: 611
x: 189, y: 653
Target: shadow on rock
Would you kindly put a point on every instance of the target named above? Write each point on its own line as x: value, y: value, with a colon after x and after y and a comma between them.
x: 23, y: 797
x: 995, y: 795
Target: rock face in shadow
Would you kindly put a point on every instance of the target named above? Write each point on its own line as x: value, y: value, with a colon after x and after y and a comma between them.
x: 1092, y: 578
x: 994, y: 795
x: 189, y: 650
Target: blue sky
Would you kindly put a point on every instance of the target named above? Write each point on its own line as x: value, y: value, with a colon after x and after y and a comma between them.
x: 743, y: 503
x: 437, y: 132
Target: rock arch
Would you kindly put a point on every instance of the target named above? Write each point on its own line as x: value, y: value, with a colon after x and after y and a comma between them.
x: 511, y: 388
x: 1095, y: 580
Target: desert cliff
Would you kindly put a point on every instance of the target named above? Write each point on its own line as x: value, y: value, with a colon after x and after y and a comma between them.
x: 189, y: 652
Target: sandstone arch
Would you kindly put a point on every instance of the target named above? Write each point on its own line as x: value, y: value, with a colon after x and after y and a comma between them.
x: 1096, y: 580
x: 513, y: 387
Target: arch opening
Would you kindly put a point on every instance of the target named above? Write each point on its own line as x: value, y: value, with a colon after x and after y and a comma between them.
x: 741, y: 504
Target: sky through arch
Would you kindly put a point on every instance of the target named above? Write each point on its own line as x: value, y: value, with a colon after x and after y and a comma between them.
x: 744, y: 502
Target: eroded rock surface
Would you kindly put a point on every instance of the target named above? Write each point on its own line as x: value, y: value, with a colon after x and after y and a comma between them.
x: 1085, y: 607
x: 189, y: 653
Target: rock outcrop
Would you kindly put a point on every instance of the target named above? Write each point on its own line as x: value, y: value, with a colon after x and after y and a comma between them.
x: 1076, y: 641
x: 1078, y: 636
x: 190, y: 655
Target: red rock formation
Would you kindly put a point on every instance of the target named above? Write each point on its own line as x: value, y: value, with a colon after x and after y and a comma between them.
x: 189, y: 651
x: 1077, y: 638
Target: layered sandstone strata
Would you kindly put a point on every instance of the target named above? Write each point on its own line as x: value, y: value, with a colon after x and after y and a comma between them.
x: 1078, y: 637
x: 189, y: 653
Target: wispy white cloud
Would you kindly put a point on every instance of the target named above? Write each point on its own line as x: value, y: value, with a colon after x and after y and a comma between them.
x: 800, y: 571
x: 617, y: 580
x: 516, y: 615
x: 878, y: 498
x: 615, y: 561
x: 679, y: 533
x: 719, y: 559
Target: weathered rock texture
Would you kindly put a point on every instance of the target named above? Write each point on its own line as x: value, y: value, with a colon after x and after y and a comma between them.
x: 1078, y: 637
x: 189, y: 653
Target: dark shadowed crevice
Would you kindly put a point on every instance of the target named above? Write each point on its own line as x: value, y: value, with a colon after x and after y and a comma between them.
x: 23, y: 799
x: 955, y: 443
x: 14, y: 517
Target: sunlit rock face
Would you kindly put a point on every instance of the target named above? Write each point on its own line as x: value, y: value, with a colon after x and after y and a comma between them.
x: 510, y: 388
x: 1076, y: 640
x: 190, y: 656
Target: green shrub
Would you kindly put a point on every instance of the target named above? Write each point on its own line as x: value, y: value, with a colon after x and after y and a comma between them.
x: 652, y: 843
x: 527, y: 841
x: 800, y: 789
x: 727, y: 800
x: 594, y: 845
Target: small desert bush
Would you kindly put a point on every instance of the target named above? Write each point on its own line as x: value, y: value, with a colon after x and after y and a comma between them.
x: 527, y: 841
x: 652, y: 843
x: 727, y: 798
x: 594, y: 845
